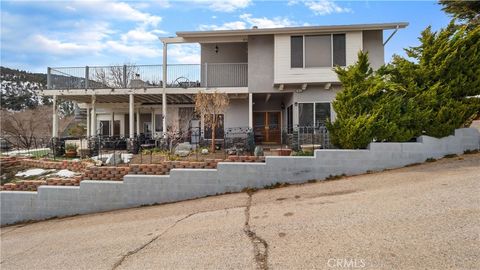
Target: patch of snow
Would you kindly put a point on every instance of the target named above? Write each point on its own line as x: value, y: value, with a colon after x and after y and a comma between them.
x: 32, y: 172
x: 65, y: 173
x: 25, y: 152
x: 126, y: 157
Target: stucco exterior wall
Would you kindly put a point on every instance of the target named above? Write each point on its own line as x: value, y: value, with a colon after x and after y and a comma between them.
x: 182, y: 184
x: 373, y: 44
x: 260, y: 64
x: 237, y: 114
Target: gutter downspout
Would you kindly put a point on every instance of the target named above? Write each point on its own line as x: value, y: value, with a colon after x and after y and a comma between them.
x: 391, y: 35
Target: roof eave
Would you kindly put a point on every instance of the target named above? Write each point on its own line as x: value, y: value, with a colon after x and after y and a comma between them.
x: 292, y: 30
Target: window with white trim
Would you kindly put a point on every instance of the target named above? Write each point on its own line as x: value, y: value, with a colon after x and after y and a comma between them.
x: 313, y: 51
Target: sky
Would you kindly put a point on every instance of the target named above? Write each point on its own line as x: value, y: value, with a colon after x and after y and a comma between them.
x: 40, y: 34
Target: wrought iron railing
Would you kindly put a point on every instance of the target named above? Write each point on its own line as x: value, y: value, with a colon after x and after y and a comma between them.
x: 207, y: 75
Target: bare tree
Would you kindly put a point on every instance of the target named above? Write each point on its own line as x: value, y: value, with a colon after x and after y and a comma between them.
x: 23, y: 129
x: 211, y: 106
x: 112, y: 77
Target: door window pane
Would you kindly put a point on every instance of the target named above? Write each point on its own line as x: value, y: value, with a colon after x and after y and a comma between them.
x: 322, y: 113
x: 273, y: 120
x: 296, y: 49
x: 339, y: 55
x: 318, y: 51
x: 305, y: 112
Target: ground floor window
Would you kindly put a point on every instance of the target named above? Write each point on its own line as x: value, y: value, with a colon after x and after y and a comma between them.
x: 158, y: 123
x: 313, y: 114
x: 105, y: 128
x: 219, y: 129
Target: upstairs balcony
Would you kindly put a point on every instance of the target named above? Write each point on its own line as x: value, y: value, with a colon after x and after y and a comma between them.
x: 208, y: 75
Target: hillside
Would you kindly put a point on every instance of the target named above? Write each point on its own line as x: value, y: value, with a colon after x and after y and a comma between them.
x: 19, y: 91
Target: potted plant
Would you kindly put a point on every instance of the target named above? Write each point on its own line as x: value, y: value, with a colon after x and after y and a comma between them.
x: 70, y: 150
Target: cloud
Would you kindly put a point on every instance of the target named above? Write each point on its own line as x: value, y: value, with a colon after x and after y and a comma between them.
x: 248, y: 21
x: 142, y: 35
x: 57, y: 47
x: 321, y: 7
x: 133, y: 50
x: 267, y: 23
x: 113, y: 10
x: 226, y: 26
x: 224, y: 5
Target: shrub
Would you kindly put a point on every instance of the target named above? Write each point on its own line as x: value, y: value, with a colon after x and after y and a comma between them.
x: 406, y: 99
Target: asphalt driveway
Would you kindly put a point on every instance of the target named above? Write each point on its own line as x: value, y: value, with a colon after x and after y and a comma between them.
x: 419, y: 217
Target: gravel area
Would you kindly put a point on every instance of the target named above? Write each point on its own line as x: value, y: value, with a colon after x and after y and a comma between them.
x: 419, y: 217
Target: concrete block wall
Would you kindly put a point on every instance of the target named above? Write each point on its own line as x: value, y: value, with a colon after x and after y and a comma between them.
x: 95, y: 196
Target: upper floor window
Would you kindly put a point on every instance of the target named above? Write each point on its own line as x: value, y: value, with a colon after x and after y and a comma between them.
x: 318, y: 51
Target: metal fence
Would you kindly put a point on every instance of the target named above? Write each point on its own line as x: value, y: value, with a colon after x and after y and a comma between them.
x: 148, y: 76
x: 232, y: 141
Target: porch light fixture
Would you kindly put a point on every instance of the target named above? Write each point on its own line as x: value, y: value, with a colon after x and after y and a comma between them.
x: 216, y: 48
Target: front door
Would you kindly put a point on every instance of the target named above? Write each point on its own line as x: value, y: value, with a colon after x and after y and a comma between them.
x: 267, y: 127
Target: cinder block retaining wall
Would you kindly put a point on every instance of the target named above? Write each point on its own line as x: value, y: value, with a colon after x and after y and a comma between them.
x: 96, y: 196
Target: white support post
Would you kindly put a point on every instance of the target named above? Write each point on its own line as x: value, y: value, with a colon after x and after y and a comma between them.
x: 88, y: 122
x: 93, y: 121
x: 112, y: 117
x: 250, y: 110
x: 131, y: 130
x: 164, y: 93
x: 54, y: 118
x: 138, y: 122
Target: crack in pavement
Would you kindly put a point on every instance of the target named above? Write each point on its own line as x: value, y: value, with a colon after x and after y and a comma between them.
x: 138, y: 249
x: 260, y: 246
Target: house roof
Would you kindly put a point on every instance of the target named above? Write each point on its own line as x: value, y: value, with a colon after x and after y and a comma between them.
x: 291, y: 30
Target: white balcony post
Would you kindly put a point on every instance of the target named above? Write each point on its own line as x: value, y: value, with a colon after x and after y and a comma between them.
x: 250, y: 110
x: 88, y: 122
x: 54, y: 118
x: 93, y: 121
x: 138, y: 122
x: 164, y: 93
x: 131, y: 130
x: 112, y: 117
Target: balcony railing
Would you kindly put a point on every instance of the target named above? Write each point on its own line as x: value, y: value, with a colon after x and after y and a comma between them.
x: 207, y: 75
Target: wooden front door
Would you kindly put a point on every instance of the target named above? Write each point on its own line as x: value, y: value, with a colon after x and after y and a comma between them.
x: 267, y: 127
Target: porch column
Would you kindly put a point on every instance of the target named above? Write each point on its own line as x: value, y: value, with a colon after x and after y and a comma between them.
x: 138, y: 122
x: 250, y: 110
x: 164, y: 93
x: 112, y: 117
x: 131, y: 130
x: 93, y: 121
x: 88, y: 122
x: 54, y: 118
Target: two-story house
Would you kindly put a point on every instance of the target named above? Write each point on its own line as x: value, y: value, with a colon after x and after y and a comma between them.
x: 277, y: 79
